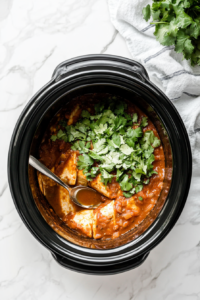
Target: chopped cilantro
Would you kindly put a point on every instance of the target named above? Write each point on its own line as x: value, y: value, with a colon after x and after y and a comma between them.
x: 140, y: 198
x: 119, y: 174
x: 135, y: 117
x: 119, y: 108
x: 144, y: 122
x: 116, y: 139
x: 126, y: 149
x: 105, y: 177
x: 100, y: 129
x: 95, y: 156
x: 127, y: 195
x: 85, y: 114
x: 146, y: 181
x: 109, y: 140
x: 156, y: 142
x: 125, y: 184
x: 82, y: 127
x: 60, y: 134
x: 138, y: 188
x: 54, y: 138
x: 84, y: 161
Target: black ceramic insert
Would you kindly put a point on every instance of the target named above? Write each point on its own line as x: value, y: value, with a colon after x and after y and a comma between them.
x: 89, y: 74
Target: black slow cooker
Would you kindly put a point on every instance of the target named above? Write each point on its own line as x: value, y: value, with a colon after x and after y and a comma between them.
x: 114, y: 75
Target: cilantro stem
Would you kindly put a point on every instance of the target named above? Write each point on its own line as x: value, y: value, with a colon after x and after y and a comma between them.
x: 159, y: 23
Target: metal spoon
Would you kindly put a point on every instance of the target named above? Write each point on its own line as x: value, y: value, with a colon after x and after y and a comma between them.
x: 72, y: 191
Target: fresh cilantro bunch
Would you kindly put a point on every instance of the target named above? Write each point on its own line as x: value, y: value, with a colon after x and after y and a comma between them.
x: 117, y: 149
x: 177, y: 22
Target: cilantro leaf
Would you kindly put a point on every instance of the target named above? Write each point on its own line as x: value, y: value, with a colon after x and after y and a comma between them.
x: 85, y: 114
x: 100, y: 129
x: 95, y: 155
x: 99, y: 107
x: 119, y: 108
x: 84, y: 161
x: 81, y: 127
x: 113, y: 157
x: 76, y: 134
x: 125, y: 185
x: 130, y: 143
x: 146, y: 181
x: 106, y: 177
x: 60, y: 134
x: 103, y: 151
x: 144, y: 122
x: 156, y: 142
x: 86, y: 122
x: 146, y: 12
x: 119, y: 122
x: 119, y: 174
x: 54, y: 138
x: 135, y: 117
x: 127, y: 195
x: 138, y: 188
x: 108, y: 167
x: 134, y: 133
x: 126, y: 149
x: 99, y: 145
x: 116, y: 139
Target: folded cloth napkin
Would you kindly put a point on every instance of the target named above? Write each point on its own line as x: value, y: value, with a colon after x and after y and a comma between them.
x: 167, y: 69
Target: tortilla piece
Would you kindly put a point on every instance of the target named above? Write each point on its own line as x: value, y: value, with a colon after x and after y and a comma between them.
x: 68, y: 173
x: 57, y: 196
x: 83, y: 221
x: 81, y: 178
x: 101, y: 188
x: 44, y: 182
x: 65, y: 203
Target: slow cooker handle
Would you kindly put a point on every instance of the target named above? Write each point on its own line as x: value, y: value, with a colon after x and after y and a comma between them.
x: 81, y: 65
x: 100, y: 270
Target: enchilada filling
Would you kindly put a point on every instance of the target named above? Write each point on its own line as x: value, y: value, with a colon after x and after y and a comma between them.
x: 109, y: 144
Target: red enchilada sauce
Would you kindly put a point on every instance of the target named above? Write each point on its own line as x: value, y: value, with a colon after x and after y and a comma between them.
x: 116, y: 214
x: 89, y: 198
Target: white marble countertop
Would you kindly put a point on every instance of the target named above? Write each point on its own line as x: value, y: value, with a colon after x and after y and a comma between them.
x: 36, y: 35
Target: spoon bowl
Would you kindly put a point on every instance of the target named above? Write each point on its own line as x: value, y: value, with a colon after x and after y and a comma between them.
x: 74, y: 192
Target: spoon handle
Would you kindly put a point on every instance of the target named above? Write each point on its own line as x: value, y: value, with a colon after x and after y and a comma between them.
x: 44, y: 170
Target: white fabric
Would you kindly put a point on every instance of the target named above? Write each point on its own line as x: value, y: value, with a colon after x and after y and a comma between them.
x: 171, y: 73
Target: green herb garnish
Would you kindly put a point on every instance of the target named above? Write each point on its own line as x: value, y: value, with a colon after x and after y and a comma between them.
x: 177, y: 22
x: 118, y: 150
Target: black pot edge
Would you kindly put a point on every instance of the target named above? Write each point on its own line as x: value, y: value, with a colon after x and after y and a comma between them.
x: 26, y: 222
x: 9, y: 180
x: 100, y: 270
